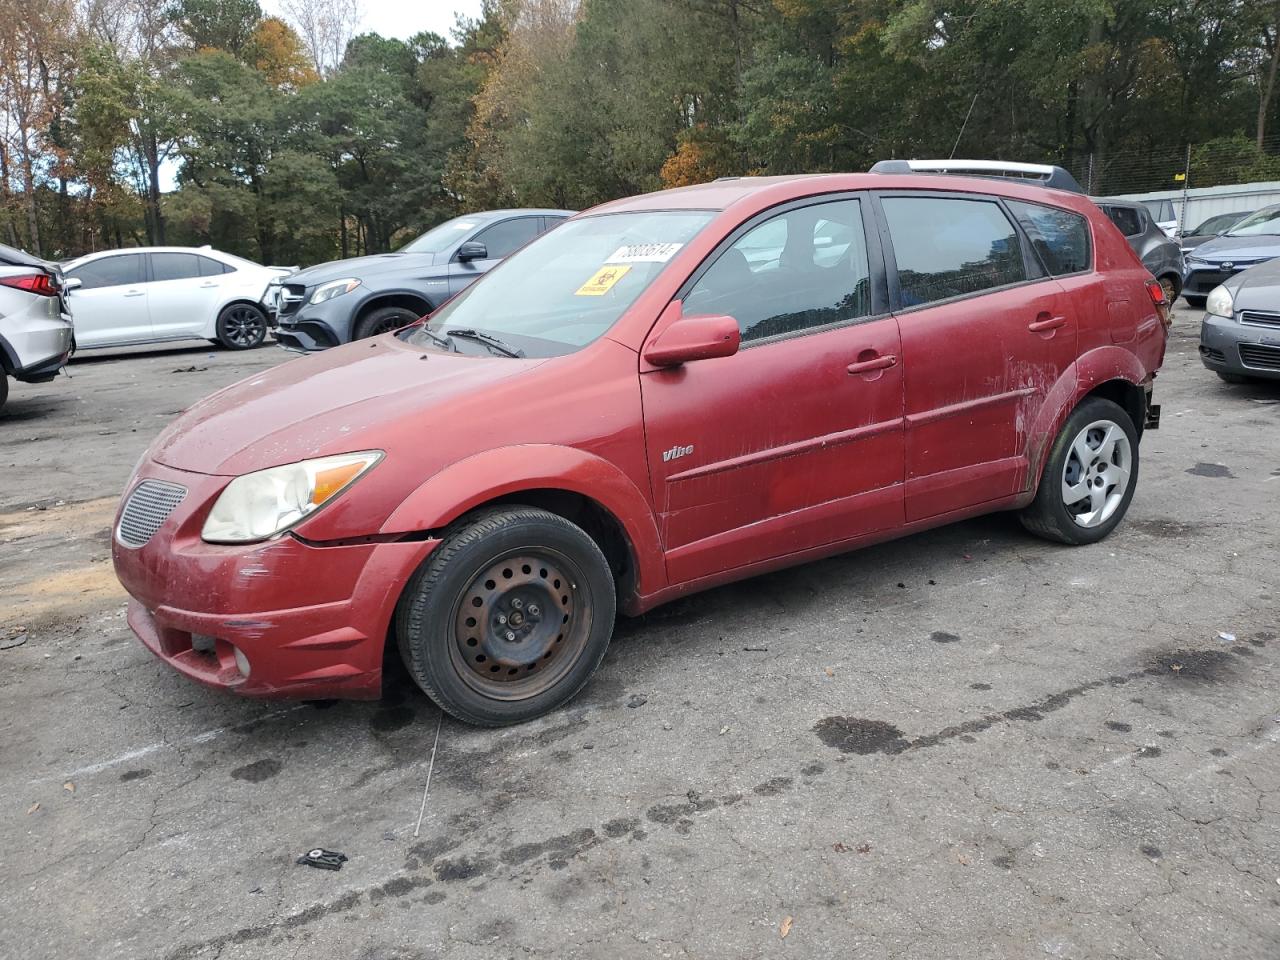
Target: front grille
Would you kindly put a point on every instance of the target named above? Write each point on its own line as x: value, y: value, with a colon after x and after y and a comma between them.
x: 1202, y: 281
x: 1263, y: 358
x: 1258, y: 318
x: 292, y: 296
x: 147, y: 507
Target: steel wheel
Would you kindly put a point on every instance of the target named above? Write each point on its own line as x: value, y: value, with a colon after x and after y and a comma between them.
x: 242, y: 327
x: 520, y: 625
x: 1096, y: 474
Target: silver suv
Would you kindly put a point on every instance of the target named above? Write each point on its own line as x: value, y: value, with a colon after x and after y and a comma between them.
x: 35, y: 325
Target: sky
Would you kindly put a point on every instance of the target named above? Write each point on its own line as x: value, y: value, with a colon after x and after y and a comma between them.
x: 404, y: 18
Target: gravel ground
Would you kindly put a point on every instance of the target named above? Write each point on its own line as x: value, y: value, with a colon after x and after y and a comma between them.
x: 969, y: 743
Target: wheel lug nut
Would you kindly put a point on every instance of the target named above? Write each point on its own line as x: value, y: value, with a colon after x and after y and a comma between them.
x: 533, y: 609
x: 502, y: 618
x: 510, y: 637
x: 517, y: 603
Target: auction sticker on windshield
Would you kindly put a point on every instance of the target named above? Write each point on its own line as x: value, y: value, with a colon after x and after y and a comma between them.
x: 644, y: 253
x: 601, y: 282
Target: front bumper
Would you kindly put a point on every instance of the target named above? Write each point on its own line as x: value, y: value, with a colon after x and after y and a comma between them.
x: 311, y: 621
x: 1244, y: 349
x: 1200, y: 280
x: 316, y: 326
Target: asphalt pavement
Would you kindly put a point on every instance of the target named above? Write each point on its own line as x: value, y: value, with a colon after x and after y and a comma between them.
x: 968, y: 743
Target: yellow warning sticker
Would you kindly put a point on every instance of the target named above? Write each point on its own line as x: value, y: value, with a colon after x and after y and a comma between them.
x: 601, y: 282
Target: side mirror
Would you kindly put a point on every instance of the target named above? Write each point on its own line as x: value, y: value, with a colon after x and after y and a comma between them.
x: 71, y: 283
x: 694, y: 338
x: 472, y: 250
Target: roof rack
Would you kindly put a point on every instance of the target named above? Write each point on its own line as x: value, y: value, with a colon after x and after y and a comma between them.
x: 1040, y: 174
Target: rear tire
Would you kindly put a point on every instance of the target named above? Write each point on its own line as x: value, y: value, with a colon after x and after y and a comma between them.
x: 1172, y: 287
x: 383, y: 320
x: 508, y: 618
x: 4, y: 390
x: 1089, y: 477
x: 241, y: 326
x: 1196, y: 303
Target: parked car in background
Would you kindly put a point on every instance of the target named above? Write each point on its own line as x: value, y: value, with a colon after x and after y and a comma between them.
x: 154, y: 294
x: 1240, y: 332
x: 360, y: 297
x: 1164, y: 215
x: 1215, y: 226
x: 663, y: 394
x: 1158, y: 253
x: 1254, y: 240
x: 36, y: 336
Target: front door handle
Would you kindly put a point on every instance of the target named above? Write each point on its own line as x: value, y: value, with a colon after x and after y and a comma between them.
x: 135, y: 293
x: 1046, y: 321
x: 873, y: 364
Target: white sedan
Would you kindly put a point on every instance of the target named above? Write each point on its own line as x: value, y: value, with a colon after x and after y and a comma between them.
x: 153, y: 294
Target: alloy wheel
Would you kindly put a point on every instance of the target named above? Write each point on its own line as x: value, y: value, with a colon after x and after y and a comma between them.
x: 1096, y: 474
x: 244, y: 327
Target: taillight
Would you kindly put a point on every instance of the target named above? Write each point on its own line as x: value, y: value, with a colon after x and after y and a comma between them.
x: 38, y: 283
x: 1156, y: 292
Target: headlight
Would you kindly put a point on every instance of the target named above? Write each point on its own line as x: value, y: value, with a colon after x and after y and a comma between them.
x: 1219, y: 303
x: 334, y: 288
x: 258, y: 506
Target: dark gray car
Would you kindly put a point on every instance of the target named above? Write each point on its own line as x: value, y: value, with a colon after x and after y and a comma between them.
x: 1158, y: 253
x: 1240, y: 333
x: 1206, y: 230
x: 344, y: 300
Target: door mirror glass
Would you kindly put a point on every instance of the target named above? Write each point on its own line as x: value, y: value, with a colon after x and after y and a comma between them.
x: 694, y: 338
x: 473, y: 250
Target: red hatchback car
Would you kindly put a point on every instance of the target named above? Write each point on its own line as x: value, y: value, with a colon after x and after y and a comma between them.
x: 663, y: 394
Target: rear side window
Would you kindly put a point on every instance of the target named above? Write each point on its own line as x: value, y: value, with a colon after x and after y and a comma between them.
x: 1127, y: 219
x: 109, y: 272
x: 174, y: 266
x: 1059, y: 236
x: 505, y: 238
x: 949, y: 248
x: 212, y: 268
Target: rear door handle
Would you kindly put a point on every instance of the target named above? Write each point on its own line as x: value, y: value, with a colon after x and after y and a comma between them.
x: 1046, y: 322
x: 876, y: 363
x: 135, y: 293
x: 211, y: 283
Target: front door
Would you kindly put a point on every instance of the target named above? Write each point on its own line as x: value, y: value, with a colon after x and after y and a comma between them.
x: 184, y: 294
x: 797, y: 440
x: 986, y: 333
x: 110, y: 305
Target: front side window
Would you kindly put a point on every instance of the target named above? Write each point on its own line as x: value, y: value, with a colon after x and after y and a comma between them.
x: 1059, y: 236
x: 571, y: 284
x: 174, y: 266
x: 441, y: 238
x: 109, y: 272
x: 949, y: 248
x: 505, y: 238
x: 802, y: 269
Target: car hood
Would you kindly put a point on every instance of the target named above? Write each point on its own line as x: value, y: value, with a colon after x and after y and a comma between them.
x: 355, y: 397
x: 1257, y: 288
x: 362, y: 267
x: 1238, y: 249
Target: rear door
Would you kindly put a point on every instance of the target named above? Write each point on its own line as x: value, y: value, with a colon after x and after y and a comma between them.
x: 501, y: 239
x: 986, y: 333
x: 110, y: 305
x: 184, y: 293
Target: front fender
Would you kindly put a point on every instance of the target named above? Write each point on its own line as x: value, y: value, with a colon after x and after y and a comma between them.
x: 1089, y: 370
x: 486, y: 476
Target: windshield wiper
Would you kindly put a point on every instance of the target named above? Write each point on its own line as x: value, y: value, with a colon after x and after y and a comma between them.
x: 488, y: 339
x: 438, y: 339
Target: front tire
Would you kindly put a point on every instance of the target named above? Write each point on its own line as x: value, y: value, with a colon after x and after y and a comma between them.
x: 4, y: 390
x: 1196, y: 303
x: 509, y: 616
x: 1089, y: 478
x: 383, y: 320
x: 241, y: 326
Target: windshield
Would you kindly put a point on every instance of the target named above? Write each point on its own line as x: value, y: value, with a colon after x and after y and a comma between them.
x: 1264, y: 223
x: 570, y: 285
x: 1215, y: 225
x: 442, y: 237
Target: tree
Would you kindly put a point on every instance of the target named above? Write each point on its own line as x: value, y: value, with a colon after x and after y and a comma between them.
x: 217, y: 24
x: 275, y: 51
x: 326, y: 27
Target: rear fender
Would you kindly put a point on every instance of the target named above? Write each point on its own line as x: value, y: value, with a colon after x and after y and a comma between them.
x: 501, y: 472
x: 1089, y: 371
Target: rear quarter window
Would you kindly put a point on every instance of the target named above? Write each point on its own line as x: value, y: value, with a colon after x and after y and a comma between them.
x: 1060, y: 237
x: 1126, y: 218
